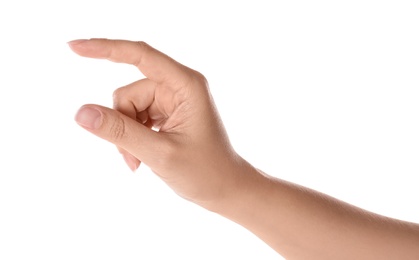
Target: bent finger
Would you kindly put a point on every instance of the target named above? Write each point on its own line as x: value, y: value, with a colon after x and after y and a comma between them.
x: 134, y: 98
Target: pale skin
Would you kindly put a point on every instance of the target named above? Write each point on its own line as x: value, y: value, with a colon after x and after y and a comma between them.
x: 168, y: 121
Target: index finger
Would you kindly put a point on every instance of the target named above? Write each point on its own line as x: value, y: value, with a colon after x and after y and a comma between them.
x: 154, y: 64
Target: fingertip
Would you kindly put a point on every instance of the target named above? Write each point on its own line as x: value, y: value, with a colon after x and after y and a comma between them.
x: 77, y: 45
x: 132, y: 162
x: 90, y: 48
x: 89, y: 117
x: 76, y: 42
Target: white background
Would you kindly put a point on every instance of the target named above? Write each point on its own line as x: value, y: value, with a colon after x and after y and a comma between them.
x: 321, y: 93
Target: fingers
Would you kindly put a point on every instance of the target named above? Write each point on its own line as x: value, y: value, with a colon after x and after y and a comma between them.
x: 154, y: 64
x: 134, y: 98
x: 132, y: 162
x: 128, y: 126
x: 138, y: 140
x: 132, y: 101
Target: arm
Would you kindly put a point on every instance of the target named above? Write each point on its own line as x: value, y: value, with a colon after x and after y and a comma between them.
x: 300, y: 223
x: 191, y: 152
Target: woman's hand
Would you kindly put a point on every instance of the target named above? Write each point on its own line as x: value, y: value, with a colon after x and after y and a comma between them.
x: 167, y: 120
x: 192, y: 154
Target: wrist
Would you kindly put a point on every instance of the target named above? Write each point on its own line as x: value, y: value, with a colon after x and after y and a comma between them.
x: 244, y: 187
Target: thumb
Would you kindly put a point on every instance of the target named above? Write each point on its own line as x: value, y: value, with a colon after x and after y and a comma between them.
x: 120, y: 130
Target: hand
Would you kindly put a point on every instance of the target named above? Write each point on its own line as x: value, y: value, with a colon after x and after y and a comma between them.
x: 167, y: 120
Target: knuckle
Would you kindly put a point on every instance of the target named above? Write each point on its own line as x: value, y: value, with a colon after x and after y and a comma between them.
x: 201, y: 79
x: 117, y: 130
x: 197, y: 79
x: 117, y: 97
x: 193, y: 76
x: 142, y: 44
x: 118, y: 93
x: 143, y: 47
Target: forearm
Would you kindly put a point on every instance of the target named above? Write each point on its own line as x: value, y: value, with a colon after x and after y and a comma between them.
x: 300, y: 223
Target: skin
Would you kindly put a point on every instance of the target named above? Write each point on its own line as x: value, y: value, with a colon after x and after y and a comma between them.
x: 168, y: 120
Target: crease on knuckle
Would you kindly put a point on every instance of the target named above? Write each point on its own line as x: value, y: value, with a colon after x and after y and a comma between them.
x: 143, y: 47
x: 118, y: 129
x: 111, y: 50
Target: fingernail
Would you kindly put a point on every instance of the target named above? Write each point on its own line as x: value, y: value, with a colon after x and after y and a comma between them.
x: 89, y: 117
x: 130, y: 161
x: 75, y: 42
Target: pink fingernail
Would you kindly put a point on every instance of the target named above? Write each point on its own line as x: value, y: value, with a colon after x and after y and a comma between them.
x: 89, y: 117
x: 75, y: 42
x: 130, y: 161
